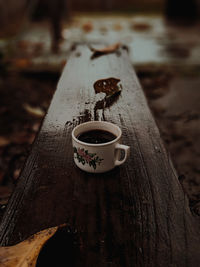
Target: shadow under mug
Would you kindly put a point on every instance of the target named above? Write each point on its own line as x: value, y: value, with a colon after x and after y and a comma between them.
x: 98, y: 158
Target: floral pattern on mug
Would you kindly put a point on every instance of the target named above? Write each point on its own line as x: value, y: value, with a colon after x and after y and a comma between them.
x: 85, y: 157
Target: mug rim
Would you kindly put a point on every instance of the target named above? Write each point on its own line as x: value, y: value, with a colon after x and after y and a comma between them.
x: 97, y: 145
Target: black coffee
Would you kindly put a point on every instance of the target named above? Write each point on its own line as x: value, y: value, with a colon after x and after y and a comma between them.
x: 96, y: 137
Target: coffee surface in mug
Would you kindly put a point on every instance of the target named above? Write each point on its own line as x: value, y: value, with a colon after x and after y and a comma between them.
x: 96, y: 136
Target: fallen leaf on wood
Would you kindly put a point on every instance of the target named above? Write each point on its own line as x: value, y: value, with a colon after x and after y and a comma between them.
x: 4, y: 141
x: 35, y: 111
x: 25, y: 253
x: 105, y: 50
x: 108, y: 86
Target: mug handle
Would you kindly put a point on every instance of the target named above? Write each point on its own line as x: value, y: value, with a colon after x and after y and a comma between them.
x: 127, y: 152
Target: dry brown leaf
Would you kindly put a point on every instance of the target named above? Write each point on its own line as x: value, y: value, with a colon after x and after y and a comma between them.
x: 108, y: 86
x: 25, y: 253
x: 107, y: 49
x: 35, y: 111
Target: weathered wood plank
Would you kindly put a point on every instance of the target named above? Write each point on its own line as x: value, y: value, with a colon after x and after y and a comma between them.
x: 134, y: 215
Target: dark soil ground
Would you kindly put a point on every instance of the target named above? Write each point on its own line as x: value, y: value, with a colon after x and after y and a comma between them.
x: 24, y: 99
x: 174, y: 100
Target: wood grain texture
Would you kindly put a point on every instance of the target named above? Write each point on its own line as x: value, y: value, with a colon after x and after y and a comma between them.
x: 134, y: 215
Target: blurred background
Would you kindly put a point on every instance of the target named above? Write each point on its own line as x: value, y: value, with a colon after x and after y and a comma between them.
x: 162, y: 36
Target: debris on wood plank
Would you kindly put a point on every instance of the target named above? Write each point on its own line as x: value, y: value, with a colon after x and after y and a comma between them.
x: 25, y: 253
x: 104, y: 50
x: 108, y: 86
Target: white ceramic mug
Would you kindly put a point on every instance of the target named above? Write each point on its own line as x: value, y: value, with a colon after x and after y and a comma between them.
x: 98, y: 158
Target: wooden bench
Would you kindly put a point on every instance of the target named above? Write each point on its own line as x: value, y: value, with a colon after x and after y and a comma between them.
x: 134, y: 215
